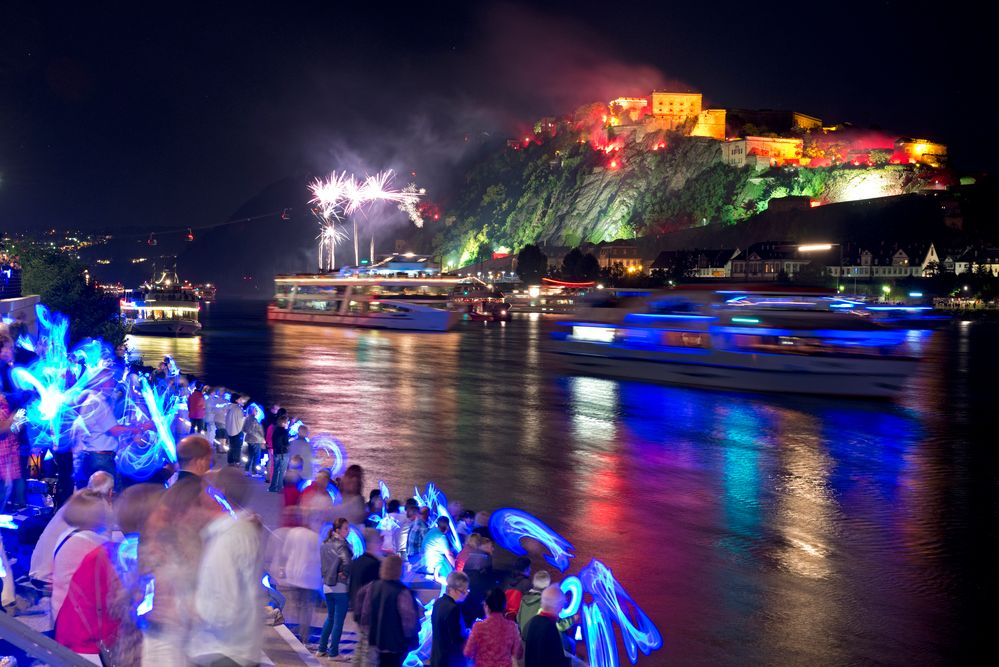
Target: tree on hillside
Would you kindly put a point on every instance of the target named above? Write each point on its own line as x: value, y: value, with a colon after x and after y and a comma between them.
x: 483, y: 253
x: 571, y: 264
x: 532, y: 264
x: 589, y: 267
x: 58, y: 279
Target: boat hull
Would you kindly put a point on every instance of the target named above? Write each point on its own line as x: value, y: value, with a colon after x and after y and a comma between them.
x: 783, y: 373
x: 166, y: 328
x: 416, y: 320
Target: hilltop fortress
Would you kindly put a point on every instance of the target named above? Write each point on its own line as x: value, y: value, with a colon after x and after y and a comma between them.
x: 760, y: 138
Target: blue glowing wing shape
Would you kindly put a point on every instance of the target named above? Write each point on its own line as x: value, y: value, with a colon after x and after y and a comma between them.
x: 637, y: 629
x: 509, y: 526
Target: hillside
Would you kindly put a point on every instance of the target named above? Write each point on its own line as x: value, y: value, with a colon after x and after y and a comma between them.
x: 562, y: 191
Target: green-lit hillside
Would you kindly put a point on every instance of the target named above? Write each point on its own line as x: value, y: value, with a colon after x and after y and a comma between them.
x: 563, y: 191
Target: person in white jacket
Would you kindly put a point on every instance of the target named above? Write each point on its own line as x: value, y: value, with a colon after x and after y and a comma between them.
x: 303, y: 575
x: 235, y: 417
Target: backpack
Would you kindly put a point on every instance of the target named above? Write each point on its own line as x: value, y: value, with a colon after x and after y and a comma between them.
x: 513, y: 598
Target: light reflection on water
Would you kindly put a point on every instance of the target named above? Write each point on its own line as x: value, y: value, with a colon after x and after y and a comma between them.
x: 752, y: 528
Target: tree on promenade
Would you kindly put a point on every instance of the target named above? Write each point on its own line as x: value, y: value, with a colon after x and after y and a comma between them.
x: 59, y: 280
x: 532, y: 264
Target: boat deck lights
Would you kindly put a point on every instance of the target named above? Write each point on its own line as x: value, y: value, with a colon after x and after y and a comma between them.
x: 746, y: 320
x: 907, y: 309
x: 889, y: 337
x: 667, y: 316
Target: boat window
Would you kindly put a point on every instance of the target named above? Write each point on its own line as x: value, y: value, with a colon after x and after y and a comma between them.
x: 685, y: 339
x: 378, y: 307
x: 281, y: 302
x: 355, y: 308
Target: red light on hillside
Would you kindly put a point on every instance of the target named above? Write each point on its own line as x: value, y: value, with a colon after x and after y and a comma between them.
x: 613, y: 164
x: 814, y: 203
x: 437, y: 216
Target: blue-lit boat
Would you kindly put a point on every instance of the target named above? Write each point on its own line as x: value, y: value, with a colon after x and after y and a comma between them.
x: 773, y: 343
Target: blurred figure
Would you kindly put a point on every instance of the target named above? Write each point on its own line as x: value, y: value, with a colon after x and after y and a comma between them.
x: 481, y: 559
x: 417, y: 531
x: 449, y: 633
x: 405, y: 523
x: 96, y: 431
x: 83, y: 579
x: 210, y: 433
x: 363, y: 571
x: 219, y: 404
x: 438, y: 558
x: 530, y: 602
x: 194, y: 456
x: 351, y: 489
x: 291, y: 491
x: 169, y: 547
x: 471, y: 546
x: 270, y: 421
x: 101, y: 484
x: 303, y: 575
x: 466, y: 522
x: 300, y: 446
x: 481, y: 524
x: 229, y: 599
x: 336, y: 556
x: 391, y: 614
x: 495, y: 642
x: 542, y: 638
x: 517, y: 585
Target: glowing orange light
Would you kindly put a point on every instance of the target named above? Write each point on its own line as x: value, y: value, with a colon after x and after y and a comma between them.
x: 613, y: 164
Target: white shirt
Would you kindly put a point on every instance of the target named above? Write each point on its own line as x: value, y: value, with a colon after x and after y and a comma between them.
x: 229, y: 598
x: 300, y: 554
x: 41, y: 557
x: 234, y: 419
x: 67, y: 562
x: 93, y: 423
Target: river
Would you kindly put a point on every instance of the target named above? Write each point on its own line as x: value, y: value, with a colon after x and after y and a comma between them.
x: 752, y: 528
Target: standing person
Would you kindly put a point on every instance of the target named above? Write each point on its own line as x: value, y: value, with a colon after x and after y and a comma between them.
x: 235, y: 417
x: 417, y: 531
x: 196, y: 408
x: 391, y: 614
x: 516, y: 585
x: 336, y: 556
x: 530, y: 602
x: 495, y: 642
x: 303, y: 574
x: 449, y: 633
x: 363, y: 571
x: 228, y: 600
x: 253, y: 434
x: 83, y: 581
x: 219, y: 406
x: 301, y: 446
x: 10, y: 450
x: 194, y: 456
x: 279, y: 444
x: 208, y: 393
x: 270, y: 421
x: 437, y: 556
x: 542, y: 639
x: 96, y: 431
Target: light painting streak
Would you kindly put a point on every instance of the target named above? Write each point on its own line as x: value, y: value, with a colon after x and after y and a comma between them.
x: 637, y: 629
x: 509, y: 526
x: 601, y: 649
x: 573, y: 589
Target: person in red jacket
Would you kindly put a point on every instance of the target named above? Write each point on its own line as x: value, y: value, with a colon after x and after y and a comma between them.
x: 196, y: 409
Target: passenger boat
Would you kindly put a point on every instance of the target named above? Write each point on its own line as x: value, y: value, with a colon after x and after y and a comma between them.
x: 365, y: 300
x: 551, y: 296
x: 479, y: 301
x: 739, y: 341
x: 161, y: 308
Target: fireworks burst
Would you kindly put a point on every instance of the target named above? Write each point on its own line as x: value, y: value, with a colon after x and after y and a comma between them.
x: 344, y: 193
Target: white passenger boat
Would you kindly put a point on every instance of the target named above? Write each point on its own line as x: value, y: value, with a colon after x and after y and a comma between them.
x: 162, y: 307
x: 376, y: 302
x: 775, y: 343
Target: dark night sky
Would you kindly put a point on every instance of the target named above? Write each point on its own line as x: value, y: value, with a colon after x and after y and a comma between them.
x: 138, y: 115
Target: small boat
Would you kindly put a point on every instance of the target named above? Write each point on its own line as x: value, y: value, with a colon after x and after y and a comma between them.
x: 367, y: 301
x: 479, y: 301
x: 738, y: 341
x: 161, y: 308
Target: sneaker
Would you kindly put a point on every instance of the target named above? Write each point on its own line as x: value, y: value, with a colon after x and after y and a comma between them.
x: 321, y: 654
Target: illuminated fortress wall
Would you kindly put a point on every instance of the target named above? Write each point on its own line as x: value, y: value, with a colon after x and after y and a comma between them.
x: 672, y: 110
x: 922, y: 151
x: 761, y: 151
x: 710, y: 123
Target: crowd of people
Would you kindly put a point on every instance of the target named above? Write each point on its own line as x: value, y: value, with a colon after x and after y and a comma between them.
x: 165, y: 563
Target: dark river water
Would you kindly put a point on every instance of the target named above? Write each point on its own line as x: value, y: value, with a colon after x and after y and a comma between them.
x: 751, y: 528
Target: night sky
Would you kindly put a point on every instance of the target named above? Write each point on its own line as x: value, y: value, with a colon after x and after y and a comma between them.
x: 141, y: 116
